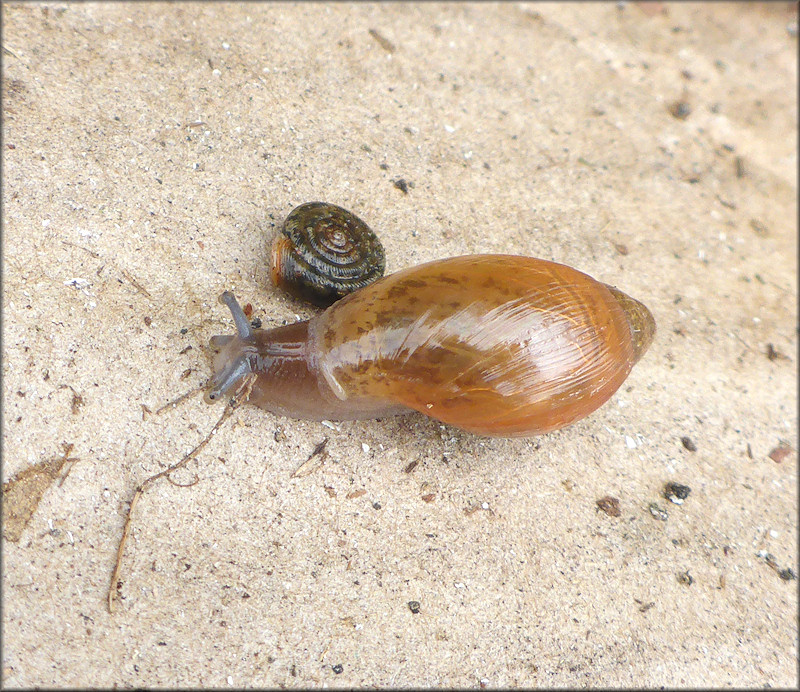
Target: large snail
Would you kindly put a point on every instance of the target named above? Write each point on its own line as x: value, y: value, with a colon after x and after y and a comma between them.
x: 498, y: 345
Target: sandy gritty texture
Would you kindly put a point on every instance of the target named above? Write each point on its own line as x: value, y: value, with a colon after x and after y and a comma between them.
x: 149, y: 152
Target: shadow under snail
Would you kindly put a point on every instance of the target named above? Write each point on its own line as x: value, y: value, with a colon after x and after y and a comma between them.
x: 499, y: 345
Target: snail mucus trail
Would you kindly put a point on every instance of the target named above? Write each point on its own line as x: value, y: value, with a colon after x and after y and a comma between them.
x: 498, y: 345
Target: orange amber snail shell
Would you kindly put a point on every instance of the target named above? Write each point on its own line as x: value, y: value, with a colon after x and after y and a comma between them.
x: 499, y: 345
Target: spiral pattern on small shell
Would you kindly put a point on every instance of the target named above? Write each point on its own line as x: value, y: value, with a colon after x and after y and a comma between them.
x: 324, y: 252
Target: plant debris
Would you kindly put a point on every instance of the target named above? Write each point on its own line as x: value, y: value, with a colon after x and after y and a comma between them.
x: 317, y: 457
x: 786, y: 574
x: 610, y: 505
x: 22, y: 494
x: 780, y: 453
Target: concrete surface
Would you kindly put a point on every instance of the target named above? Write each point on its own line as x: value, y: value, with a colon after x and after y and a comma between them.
x: 149, y: 150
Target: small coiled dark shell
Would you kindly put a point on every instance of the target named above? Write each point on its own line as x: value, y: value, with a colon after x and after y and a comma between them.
x: 324, y: 252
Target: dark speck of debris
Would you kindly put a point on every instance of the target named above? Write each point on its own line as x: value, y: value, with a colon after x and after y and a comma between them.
x: 413, y: 606
x: 148, y: 320
x: 759, y: 228
x: 688, y: 444
x: 685, y: 578
x: 411, y: 466
x: 676, y: 493
x: 610, y: 505
x: 319, y: 449
x: 658, y: 512
x: 785, y: 574
x: 402, y: 185
x: 77, y: 402
x: 376, y: 505
x: 184, y: 331
x: 338, y: 669
x: 774, y: 354
x: 680, y: 110
x: 256, y: 323
x: 383, y: 42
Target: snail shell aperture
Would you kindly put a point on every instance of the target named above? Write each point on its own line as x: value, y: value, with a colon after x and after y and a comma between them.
x: 324, y: 252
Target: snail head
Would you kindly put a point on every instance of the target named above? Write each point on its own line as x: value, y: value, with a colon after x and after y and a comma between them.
x: 235, y: 355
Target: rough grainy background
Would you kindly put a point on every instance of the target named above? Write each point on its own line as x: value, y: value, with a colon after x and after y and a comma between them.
x: 149, y: 150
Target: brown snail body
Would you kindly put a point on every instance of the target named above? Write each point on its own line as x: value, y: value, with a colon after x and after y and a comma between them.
x: 324, y: 252
x: 498, y: 345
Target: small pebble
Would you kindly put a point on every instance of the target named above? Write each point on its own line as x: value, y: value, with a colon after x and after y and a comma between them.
x: 680, y: 110
x: 657, y: 512
x: 676, y: 493
x: 77, y: 283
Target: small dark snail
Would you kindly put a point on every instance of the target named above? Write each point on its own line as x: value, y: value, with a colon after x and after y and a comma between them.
x: 324, y: 252
x: 493, y: 344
